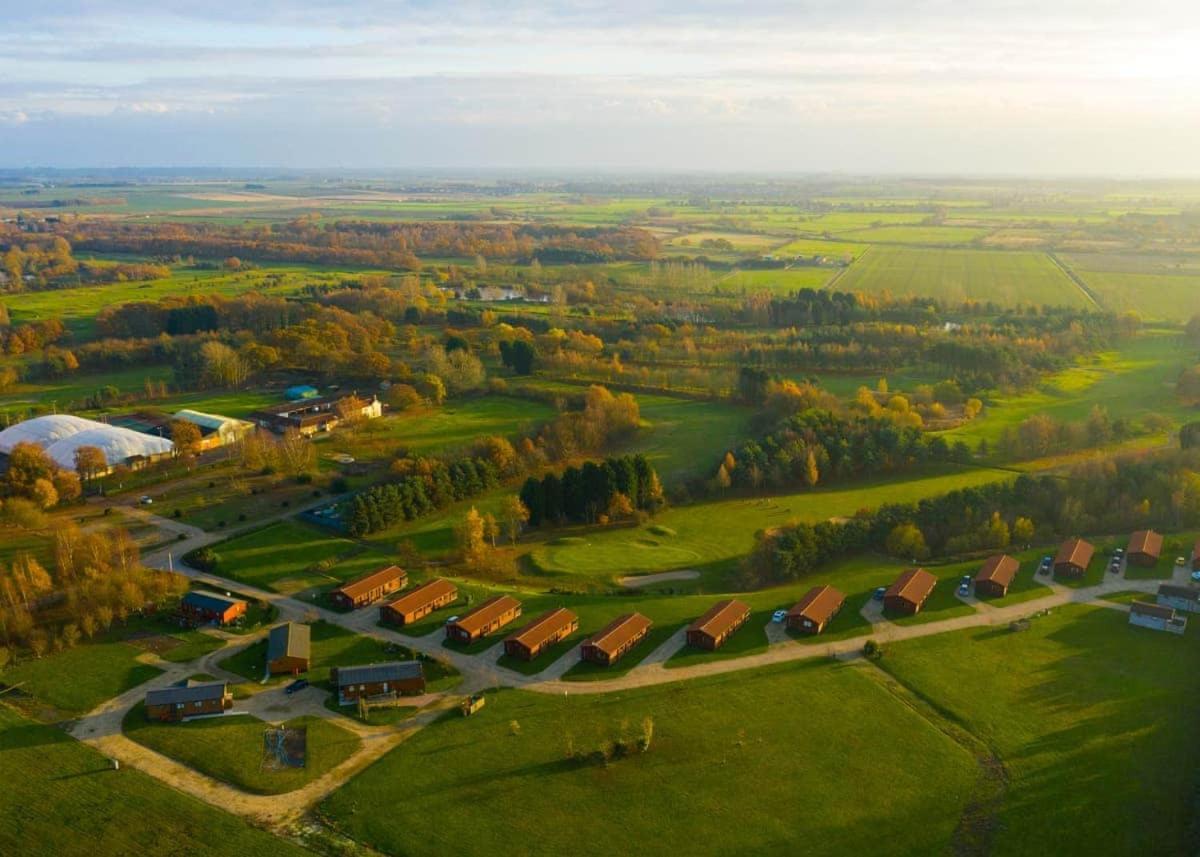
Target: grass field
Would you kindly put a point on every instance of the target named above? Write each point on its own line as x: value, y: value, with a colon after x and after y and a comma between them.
x: 230, y: 748
x: 817, y: 748
x: 1172, y: 297
x: 79, y: 679
x: 684, y: 437
x: 283, y: 557
x: 1092, y: 719
x: 777, y: 281
x: 928, y: 235
x: 1007, y: 278
x: 62, y: 797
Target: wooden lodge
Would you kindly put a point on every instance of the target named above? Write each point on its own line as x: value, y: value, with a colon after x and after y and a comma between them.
x: 289, y: 649
x: 996, y: 575
x: 370, y: 587
x: 1074, y: 556
x: 1157, y: 617
x: 615, y: 639
x: 1185, y: 598
x: 1145, y: 547
x: 209, y: 608
x: 551, y: 627
x: 419, y: 603
x: 910, y: 592
x: 815, y: 610
x: 716, y: 626
x: 377, y: 681
x: 488, y: 617
x: 193, y: 699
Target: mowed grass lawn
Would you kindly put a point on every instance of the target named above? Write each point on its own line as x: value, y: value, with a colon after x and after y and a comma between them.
x: 1093, y: 719
x: 1007, y: 278
x: 62, y: 797
x: 710, y: 536
x: 748, y: 764
x: 79, y: 679
x: 282, y: 557
x: 230, y: 748
x: 685, y: 437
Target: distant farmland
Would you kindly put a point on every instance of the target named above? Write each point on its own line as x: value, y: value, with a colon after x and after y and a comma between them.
x: 956, y: 275
x: 1157, y: 287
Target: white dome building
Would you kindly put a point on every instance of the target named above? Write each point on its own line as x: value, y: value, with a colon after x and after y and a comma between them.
x: 61, y: 434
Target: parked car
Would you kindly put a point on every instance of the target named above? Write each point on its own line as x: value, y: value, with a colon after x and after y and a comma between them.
x: 1180, y: 561
x: 778, y: 615
x: 1044, y: 568
x: 964, y: 589
x: 965, y: 581
x: 451, y: 620
x: 878, y: 594
x: 298, y: 684
x: 146, y: 500
x: 1119, y: 552
x: 1196, y: 576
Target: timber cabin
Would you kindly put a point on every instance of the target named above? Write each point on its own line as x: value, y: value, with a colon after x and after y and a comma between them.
x: 419, y: 603
x: 370, y: 587
x: 815, y: 610
x: 1157, y: 617
x: 1073, y: 558
x: 1145, y: 547
x: 551, y: 627
x: 488, y: 617
x: 173, y: 704
x: 910, y: 592
x: 615, y: 639
x: 377, y: 681
x: 289, y: 649
x: 716, y: 626
x: 996, y: 575
x: 209, y: 608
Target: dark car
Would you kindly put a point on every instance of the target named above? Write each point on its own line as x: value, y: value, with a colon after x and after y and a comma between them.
x: 298, y: 684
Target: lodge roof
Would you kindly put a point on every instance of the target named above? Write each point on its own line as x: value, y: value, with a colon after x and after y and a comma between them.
x: 290, y: 640
x: 1000, y: 569
x: 1145, y: 542
x: 1145, y: 608
x: 720, y: 617
x: 913, y: 585
x: 545, y: 626
x: 363, y: 585
x: 209, y: 601
x: 186, y: 693
x: 819, y: 604
x: 486, y: 613
x: 1075, y: 552
x: 376, y: 673
x: 422, y: 595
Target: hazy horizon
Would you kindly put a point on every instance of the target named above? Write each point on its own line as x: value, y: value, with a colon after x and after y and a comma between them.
x: 859, y: 88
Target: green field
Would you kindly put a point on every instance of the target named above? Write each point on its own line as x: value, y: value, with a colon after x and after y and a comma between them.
x: 79, y: 679
x: 815, y: 750
x: 282, y: 557
x: 683, y: 437
x: 1007, y: 278
x: 928, y: 235
x: 230, y: 748
x: 62, y: 797
x: 778, y: 281
x: 1160, y: 288
x: 1092, y: 719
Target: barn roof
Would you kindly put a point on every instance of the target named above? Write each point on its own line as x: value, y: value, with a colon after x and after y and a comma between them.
x: 1075, y: 552
x: 1146, y: 542
x: 1187, y: 593
x: 487, y: 612
x: 618, y: 632
x: 291, y: 640
x: 720, y: 617
x: 363, y: 585
x: 818, y: 604
x: 372, y: 673
x: 1000, y: 569
x: 913, y: 585
x: 422, y: 595
x: 1145, y: 608
x: 210, y: 601
x: 543, y: 627
x: 186, y: 693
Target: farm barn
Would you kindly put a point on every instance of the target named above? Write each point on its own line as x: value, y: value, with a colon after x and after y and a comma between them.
x: 370, y: 587
x: 543, y: 632
x: 1073, y: 558
x: 372, y: 681
x: 172, y: 704
x: 996, y: 575
x: 209, y: 608
x: 489, y: 616
x: 716, y: 626
x: 289, y: 649
x: 910, y: 591
x: 1185, y: 598
x: 815, y: 610
x: 419, y: 603
x: 309, y: 416
x: 1157, y: 617
x: 615, y: 639
x: 1145, y: 547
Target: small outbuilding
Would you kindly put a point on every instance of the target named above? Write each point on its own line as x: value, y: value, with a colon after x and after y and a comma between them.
x: 209, y: 608
x: 289, y: 649
x: 193, y: 699
x: 370, y: 587
x: 419, y: 603
x: 1073, y: 559
x: 996, y: 575
x: 1157, y: 617
x: 544, y: 631
x: 378, y: 681
x: 488, y: 617
x: 1145, y: 547
x: 910, y: 592
x: 716, y: 626
x: 815, y: 610
x: 615, y: 639
x: 1185, y: 598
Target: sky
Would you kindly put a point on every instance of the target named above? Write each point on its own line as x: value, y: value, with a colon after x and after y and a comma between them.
x: 995, y: 87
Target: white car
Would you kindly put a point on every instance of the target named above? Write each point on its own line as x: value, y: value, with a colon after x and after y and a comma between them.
x: 146, y: 500
x: 778, y: 615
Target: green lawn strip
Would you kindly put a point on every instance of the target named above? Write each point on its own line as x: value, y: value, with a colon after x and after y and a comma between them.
x: 1127, y: 597
x: 588, y: 671
x: 194, y: 644
x: 62, y: 797
x: 1081, y: 694
x: 750, y: 639
x: 377, y: 716
x: 845, y: 761
x: 230, y: 748
x: 77, y: 680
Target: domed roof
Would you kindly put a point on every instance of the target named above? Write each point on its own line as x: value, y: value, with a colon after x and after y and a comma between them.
x: 44, y: 430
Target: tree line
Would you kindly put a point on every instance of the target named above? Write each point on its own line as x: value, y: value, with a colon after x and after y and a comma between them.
x: 597, y: 492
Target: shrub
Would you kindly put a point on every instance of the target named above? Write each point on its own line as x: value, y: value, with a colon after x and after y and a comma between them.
x: 872, y: 650
x: 202, y: 558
